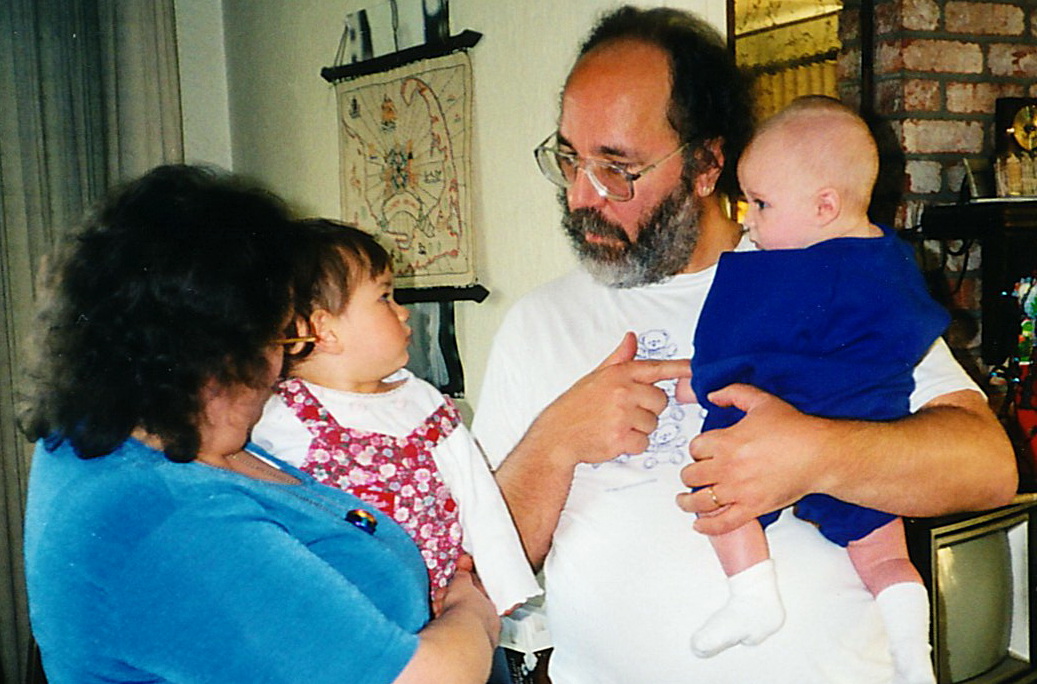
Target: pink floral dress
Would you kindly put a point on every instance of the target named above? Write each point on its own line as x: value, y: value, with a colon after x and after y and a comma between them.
x: 396, y: 474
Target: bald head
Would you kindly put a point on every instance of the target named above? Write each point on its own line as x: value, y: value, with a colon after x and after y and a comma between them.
x: 624, y: 87
x: 828, y: 144
x: 709, y: 99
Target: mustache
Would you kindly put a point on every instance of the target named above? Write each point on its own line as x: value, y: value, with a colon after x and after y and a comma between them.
x: 590, y: 221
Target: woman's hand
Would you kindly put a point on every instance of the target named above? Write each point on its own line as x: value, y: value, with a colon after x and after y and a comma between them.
x: 457, y: 645
x: 466, y: 592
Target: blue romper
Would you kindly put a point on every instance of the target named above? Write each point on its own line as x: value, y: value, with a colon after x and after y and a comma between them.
x: 835, y: 329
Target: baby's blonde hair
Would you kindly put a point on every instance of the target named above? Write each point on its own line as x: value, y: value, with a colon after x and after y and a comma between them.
x: 831, y: 142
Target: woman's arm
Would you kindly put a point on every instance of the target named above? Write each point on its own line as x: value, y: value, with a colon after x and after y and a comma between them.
x: 220, y: 590
x: 457, y: 645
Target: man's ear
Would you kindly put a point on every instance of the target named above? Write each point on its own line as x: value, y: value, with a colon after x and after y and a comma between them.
x: 711, y: 160
x: 828, y: 205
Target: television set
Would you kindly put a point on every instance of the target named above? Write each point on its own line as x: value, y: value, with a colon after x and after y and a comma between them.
x: 981, y: 575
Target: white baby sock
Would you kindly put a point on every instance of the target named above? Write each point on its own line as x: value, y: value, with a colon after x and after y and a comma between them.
x: 905, y: 611
x: 752, y: 613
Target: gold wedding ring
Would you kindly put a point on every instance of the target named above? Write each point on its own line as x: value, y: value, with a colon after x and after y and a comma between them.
x: 713, y: 495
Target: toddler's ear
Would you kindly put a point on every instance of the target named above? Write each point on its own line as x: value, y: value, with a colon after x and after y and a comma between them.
x: 302, y: 327
x: 322, y: 326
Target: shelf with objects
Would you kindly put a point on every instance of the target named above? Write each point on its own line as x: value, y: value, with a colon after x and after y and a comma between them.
x: 1006, y: 230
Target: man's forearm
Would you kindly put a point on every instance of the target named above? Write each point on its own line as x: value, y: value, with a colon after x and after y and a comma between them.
x: 950, y: 456
x: 535, y: 488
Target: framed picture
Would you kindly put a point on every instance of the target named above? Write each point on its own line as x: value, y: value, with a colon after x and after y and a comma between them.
x: 404, y: 93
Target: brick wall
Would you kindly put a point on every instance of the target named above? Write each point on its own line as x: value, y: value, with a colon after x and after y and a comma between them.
x: 939, y: 66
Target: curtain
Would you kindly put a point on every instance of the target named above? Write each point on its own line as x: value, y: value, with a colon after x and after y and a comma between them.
x: 89, y: 97
x: 777, y: 86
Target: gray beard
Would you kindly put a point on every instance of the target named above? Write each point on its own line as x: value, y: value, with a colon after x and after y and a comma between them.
x: 665, y: 241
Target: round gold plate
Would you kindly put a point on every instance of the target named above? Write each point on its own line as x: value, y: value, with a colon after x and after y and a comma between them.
x: 1024, y: 127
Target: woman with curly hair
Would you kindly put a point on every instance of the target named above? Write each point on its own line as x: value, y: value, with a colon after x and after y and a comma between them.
x: 161, y: 545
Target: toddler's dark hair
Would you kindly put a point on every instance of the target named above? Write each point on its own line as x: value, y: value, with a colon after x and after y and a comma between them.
x: 330, y: 260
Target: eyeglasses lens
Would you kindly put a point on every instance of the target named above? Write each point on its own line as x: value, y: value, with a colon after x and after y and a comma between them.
x: 551, y: 165
x: 560, y: 168
x: 616, y: 184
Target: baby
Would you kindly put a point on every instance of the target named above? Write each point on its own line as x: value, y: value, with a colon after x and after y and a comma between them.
x: 351, y: 415
x: 833, y: 315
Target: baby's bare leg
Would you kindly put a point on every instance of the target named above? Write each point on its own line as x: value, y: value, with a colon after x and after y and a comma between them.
x: 882, y: 562
x: 742, y: 548
x: 753, y: 610
x: 881, y: 558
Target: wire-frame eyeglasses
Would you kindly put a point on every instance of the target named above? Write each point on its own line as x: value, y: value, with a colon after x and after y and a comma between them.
x: 612, y: 180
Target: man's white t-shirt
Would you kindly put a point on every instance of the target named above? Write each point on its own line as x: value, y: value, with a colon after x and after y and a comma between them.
x: 628, y: 580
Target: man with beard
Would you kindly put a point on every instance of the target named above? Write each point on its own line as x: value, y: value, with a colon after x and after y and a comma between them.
x: 591, y: 454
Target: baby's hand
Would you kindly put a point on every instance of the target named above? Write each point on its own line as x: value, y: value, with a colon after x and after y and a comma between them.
x: 684, y: 393
x: 465, y: 563
x: 437, y: 601
x: 466, y: 593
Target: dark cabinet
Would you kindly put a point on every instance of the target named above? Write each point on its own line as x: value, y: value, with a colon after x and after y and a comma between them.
x: 1007, y: 232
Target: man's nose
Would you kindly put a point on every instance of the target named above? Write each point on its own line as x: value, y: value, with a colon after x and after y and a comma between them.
x: 582, y: 194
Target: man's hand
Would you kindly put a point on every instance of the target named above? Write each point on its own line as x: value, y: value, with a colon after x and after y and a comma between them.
x: 766, y: 461
x: 613, y: 409
x: 950, y: 456
x: 610, y: 411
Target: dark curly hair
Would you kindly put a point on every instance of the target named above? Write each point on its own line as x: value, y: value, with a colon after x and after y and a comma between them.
x: 329, y: 260
x: 179, y: 278
x: 710, y: 95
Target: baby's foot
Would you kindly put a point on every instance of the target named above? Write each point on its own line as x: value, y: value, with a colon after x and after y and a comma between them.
x: 752, y: 613
x: 905, y: 610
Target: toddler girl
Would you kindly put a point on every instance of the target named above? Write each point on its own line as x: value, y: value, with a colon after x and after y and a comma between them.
x: 352, y: 416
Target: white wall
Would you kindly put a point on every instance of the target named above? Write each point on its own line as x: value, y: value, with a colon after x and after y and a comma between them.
x: 283, y: 124
x: 203, y: 82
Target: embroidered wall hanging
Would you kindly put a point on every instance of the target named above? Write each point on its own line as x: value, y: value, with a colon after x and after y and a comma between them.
x: 405, y: 154
x: 405, y: 150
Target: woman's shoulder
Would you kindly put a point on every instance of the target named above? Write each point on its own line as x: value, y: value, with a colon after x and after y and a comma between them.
x: 132, y: 488
x: 98, y: 513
